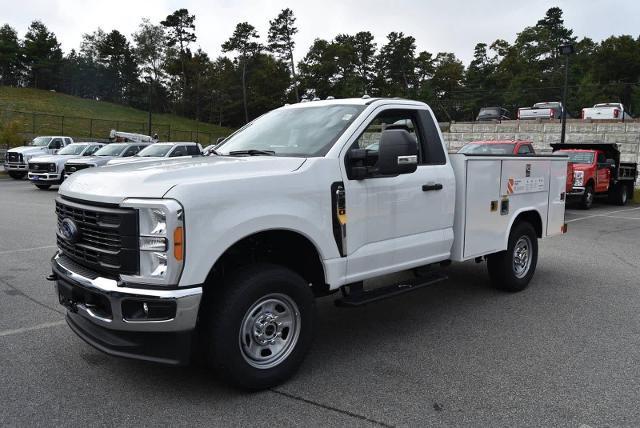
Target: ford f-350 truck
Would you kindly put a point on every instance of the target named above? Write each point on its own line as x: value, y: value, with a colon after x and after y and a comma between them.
x: 222, y: 256
x: 17, y: 159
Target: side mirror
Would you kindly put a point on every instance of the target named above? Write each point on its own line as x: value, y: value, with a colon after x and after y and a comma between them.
x: 398, y: 153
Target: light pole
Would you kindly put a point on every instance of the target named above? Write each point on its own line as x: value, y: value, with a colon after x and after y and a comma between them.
x: 150, y: 83
x: 565, y: 50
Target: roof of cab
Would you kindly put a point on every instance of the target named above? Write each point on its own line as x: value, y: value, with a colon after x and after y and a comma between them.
x: 354, y: 101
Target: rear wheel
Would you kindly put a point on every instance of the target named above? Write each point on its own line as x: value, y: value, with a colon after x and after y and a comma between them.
x: 619, y: 195
x: 18, y: 175
x: 257, y: 331
x: 587, y: 197
x: 511, y: 270
x: 43, y: 186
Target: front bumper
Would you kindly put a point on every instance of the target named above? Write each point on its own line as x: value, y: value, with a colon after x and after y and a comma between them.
x: 576, y: 191
x: 10, y: 166
x: 44, y: 177
x: 98, y: 310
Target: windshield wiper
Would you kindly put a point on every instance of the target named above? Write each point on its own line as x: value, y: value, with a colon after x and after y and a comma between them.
x: 252, y: 152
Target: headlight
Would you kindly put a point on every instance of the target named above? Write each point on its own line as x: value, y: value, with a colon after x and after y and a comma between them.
x: 578, y: 178
x: 52, y: 167
x: 161, y: 241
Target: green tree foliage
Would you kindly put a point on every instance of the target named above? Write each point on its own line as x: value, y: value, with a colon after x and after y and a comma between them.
x: 244, y: 43
x: 396, y: 66
x: 43, y: 56
x: 281, y: 43
x: 180, y: 26
x: 10, y: 56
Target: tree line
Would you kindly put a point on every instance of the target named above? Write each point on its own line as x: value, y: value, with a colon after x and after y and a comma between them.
x: 157, y: 67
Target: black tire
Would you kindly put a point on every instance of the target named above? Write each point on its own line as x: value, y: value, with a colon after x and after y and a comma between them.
x: 619, y: 195
x: 502, y: 265
x: 587, y: 197
x: 237, y: 306
x: 17, y: 175
x: 43, y: 186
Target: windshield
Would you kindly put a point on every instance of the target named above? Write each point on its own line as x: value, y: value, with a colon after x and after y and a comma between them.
x: 578, y: 157
x: 73, y: 149
x: 488, y: 149
x: 306, y: 131
x: 156, y: 150
x: 40, y: 141
x: 489, y: 112
x: 111, y: 150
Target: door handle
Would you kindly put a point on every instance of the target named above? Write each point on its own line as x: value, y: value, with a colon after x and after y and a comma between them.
x: 429, y: 187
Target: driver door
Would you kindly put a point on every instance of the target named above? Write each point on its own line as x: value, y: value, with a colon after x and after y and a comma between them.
x: 603, y: 173
x: 398, y: 222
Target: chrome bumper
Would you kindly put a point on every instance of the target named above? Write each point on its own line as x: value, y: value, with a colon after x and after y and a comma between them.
x: 576, y: 191
x: 15, y: 166
x: 44, y: 176
x: 69, y: 275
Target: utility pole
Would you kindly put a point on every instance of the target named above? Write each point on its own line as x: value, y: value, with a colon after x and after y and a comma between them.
x: 565, y: 50
x: 149, y: 108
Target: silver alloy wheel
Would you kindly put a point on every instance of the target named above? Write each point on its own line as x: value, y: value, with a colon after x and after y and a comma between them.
x: 589, y: 197
x: 522, y: 256
x: 269, y: 331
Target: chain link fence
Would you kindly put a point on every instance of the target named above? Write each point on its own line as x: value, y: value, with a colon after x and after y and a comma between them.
x: 31, y: 124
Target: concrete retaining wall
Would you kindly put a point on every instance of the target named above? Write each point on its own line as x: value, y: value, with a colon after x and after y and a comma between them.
x: 627, y: 135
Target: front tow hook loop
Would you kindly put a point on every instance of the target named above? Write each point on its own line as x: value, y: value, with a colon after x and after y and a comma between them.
x: 52, y: 277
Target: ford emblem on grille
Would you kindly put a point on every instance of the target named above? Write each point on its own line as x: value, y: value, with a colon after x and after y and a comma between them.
x: 69, y: 230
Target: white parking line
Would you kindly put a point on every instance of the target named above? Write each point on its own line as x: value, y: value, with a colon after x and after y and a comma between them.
x: 28, y: 249
x: 35, y: 327
x: 605, y: 214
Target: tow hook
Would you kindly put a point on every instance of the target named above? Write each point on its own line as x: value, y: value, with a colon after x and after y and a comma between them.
x: 52, y: 277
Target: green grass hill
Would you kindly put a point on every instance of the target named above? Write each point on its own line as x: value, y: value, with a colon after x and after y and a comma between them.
x: 45, y: 112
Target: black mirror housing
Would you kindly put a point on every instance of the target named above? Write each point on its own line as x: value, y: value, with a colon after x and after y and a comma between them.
x: 398, y: 153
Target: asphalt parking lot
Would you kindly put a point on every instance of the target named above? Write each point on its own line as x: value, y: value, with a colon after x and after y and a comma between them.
x: 564, y: 352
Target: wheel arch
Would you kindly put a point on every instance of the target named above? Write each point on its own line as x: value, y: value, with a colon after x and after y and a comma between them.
x: 281, y: 246
x: 531, y: 216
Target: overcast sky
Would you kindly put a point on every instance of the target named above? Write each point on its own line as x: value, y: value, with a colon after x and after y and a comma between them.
x: 438, y: 26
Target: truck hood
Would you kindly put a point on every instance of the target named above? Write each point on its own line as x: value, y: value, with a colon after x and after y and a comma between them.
x: 153, y: 179
x: 52, y: 158
x: 97, y: 160
x: 27, y: 150
x: 581, y: 166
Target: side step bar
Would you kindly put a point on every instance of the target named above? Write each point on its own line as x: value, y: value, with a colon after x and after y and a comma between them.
x: 358, y: 296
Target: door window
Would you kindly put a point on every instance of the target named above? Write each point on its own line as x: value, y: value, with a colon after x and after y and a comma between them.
x: 193, y: 150
x: 91, y: 150
x: 524, y: 149
x: 179, y: 151
x: 388, y: 119
x: 131, y: 151
x: 56, y: 143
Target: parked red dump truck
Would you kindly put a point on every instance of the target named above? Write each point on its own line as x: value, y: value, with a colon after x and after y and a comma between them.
x: 510, y: 147
x: 598, y: 171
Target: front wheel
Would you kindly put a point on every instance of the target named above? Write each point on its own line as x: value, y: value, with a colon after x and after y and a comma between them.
x: 17, y: 175
x: 587, y: 197
x: 512, y: 270
x: 257, y: 331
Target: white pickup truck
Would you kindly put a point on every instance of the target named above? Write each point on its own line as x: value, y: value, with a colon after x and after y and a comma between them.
x: 223, y: 255
x: 17, y: 159
x: 610, y: 111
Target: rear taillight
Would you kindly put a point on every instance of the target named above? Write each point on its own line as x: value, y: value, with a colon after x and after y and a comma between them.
x: 551, y: 114
x: 616, y: 113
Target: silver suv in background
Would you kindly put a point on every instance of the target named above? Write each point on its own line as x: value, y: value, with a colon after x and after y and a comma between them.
x: 104, y: 155
x: 16, y: 159
x: 162, y: 150
x: 45, y: 171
